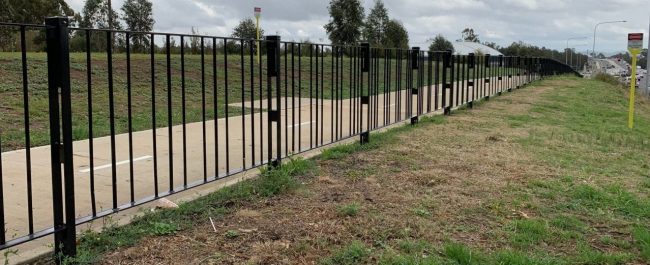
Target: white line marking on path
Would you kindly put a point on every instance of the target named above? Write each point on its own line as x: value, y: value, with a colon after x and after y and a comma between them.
x: 116, y: 164
x: 304, y: 123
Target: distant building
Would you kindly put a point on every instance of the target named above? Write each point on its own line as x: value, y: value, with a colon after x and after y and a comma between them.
x: 466, y: 47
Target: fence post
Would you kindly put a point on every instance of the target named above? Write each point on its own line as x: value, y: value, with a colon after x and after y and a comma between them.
x: 273, y: 70
x: 415, y: 65
x: 509, y: 66
x: 447, y: 64
x: 58, y: 74
x: 473, y: 81
x: 487, y: 81
x: 365, y: 98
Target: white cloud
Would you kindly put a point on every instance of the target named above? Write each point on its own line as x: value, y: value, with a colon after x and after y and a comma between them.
x: 541, y: 22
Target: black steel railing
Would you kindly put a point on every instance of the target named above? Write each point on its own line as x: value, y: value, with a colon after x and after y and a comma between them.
x: 136, y: 116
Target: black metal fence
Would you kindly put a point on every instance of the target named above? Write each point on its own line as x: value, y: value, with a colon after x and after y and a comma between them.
x: 125, y: 118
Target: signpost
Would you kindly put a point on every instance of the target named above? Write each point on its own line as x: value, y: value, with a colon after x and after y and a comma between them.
x: 634, y: 46
x: 258, y: 11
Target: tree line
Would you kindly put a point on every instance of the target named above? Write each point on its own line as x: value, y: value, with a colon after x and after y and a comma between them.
x: 348, y: 25
x: 136, y: 15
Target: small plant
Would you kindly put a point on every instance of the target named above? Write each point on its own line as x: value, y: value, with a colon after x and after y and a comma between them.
x: 351, y: 209
x: 642, y: 237
x: 354, y: 253
x: 163, y: 229
x: 232, y: 234
x: 6, y: 254
x: 422, y: 212
x: 459, y: 253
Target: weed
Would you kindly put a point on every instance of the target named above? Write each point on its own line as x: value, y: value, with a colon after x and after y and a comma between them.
x: 413, y: 246
x: 232, y: 234
x: 642, y: 238
x: 349, y: 210
x: 460, y: 253
x: 272, y: 181
x: 163, y: 229
x: 9, y: 253
x: 422, y: 212
x: 528, y: 232
x: 354, y: 253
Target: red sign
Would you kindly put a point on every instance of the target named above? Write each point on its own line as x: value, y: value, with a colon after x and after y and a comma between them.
x: 635, y: 42
x: 258, y: 11
x: 635, y: 36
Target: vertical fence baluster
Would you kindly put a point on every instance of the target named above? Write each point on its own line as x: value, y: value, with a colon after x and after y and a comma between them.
x: 3, y: 238
x: 129, y: 115
x: 91, y: 146
x: 215, y: 108
x: 225, y: 105
x: 252, y: 111
x: 286, y: 101
x: 300, y: 97
x: 293, y: 100
x: 203, y: 114
x: 111, y: 105
x: 243, y: 98
x: 28, y: 145
x: 169, y: 113
x: 154, y: 126
x: 183, y: 111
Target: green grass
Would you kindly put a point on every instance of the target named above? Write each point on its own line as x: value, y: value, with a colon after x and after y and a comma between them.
x: 377, y: 139
x: 354, y: 253
x: 592, y: 210
x: 349, y: 210
x: 580, y: 129
x: 215, y: 205
x: 642, y: 237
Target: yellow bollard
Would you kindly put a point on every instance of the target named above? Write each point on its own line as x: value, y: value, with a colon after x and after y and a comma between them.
x: 630, y: 118
x: 634, y: 46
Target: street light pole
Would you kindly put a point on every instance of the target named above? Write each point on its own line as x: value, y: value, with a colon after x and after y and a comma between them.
x: 647, y: 65
x: 593, y: 48
x: 110, y: 15
x: 566, y: 56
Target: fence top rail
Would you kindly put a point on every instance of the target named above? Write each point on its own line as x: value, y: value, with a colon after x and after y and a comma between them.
x: 13, y: 24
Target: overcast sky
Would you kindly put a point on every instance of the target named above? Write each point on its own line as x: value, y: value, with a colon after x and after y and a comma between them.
x: 541, y: 22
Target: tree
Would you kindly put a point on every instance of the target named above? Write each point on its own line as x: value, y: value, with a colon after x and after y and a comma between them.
x: 195, y: 42
x: 396, y: 35
x: 346, y: 21
x: 30, y: 12
x: 138, y: 16
x: 33, y: 11
x: 439, y: 43
x: 492, y: 45
x: 469, y: 35
x: 246, y: 29
x: 95, y: 15
x: 375, y: 27
x: 6, y: 35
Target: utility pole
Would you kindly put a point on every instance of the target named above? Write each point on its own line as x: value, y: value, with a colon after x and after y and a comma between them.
x: 110, y: 15
x: 647, y: 65
x: 110, y: 21
x: 258, y: 12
